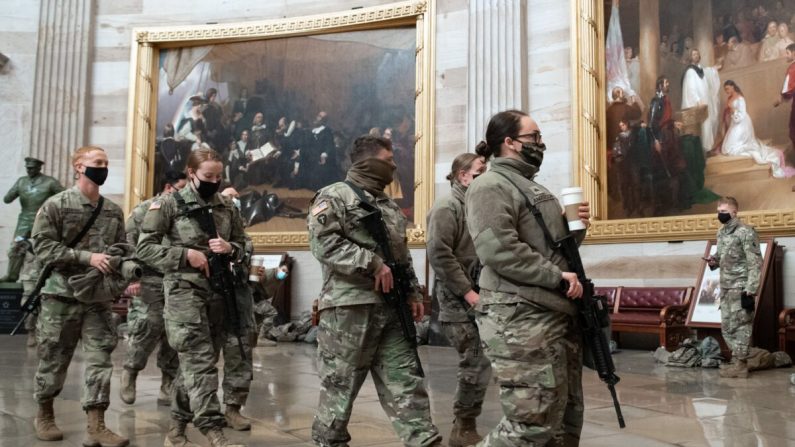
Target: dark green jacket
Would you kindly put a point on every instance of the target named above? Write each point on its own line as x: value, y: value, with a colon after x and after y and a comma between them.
x: 451, y: 253
x: 519, y: 263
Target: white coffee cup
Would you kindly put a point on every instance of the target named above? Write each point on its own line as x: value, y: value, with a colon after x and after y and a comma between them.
x: 256, y: 263
x: 572, y: 199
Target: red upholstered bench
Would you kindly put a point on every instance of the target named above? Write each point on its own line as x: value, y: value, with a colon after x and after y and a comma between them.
x: 654, y: 310
x: 786, y: 331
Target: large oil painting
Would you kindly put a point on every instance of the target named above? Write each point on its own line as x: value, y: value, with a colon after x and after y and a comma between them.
x: 699, y: 113
x: 694, y: 102
x: 282, y: 102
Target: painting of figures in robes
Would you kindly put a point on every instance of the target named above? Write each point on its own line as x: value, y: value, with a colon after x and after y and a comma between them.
x: 284, y: 112
x: 699, y: 104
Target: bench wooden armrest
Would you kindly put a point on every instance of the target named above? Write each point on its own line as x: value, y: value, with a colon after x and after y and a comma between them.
x: 675, y: 314
x: 785, y: 317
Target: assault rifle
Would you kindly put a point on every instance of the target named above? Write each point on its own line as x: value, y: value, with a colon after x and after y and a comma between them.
x: 594, y: 317
x: 222, y: 277
x: 374, y: 224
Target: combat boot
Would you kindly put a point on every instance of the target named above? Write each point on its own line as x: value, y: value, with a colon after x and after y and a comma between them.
x: 464, y: 433
x: 164, y: 396
x: 235, y: 420
x: 217, y: 439
x: 98, y: 435
x: 737, y: 370
x: 127, y: 388
x: 176, y: 436
x: 46, y: 430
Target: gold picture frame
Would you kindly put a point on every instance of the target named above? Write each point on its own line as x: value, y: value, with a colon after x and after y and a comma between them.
x: 148, y: 42
x: 588, y: 33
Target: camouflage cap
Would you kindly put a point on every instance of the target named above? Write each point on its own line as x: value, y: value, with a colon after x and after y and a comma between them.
x: 31, y: 162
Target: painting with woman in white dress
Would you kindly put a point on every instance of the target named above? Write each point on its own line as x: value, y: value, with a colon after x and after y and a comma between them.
x: 698, y: 81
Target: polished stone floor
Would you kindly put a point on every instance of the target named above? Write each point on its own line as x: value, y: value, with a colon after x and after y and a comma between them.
x: 662, y: 406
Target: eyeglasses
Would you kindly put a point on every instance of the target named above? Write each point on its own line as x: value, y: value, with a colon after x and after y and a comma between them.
x: 534, y: 136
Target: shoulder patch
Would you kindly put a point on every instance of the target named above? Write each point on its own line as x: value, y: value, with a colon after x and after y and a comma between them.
x: 155, y: 205
x: 319, y: 208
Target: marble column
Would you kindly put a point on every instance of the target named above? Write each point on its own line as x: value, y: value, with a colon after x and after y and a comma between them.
x: 497, y: 68
x: 58, y: 122
x: 649, y: 53
x: 702, y: 31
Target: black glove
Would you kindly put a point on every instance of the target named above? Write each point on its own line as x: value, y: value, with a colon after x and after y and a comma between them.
x: 747, y: 301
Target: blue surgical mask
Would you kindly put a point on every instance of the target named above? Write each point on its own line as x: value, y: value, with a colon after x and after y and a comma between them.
x: 280, y: 275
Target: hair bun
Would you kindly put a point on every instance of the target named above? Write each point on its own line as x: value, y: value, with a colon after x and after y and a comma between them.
x: 483, y: 149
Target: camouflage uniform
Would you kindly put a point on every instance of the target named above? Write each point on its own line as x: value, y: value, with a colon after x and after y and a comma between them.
x: 357, y: 332
x: 194, y: 314
x: 452, y: 256
x: 63, y: 320
x: 32, y: 192
x: 147, y: 329
x: 740, y: 263
x: 528, y: 325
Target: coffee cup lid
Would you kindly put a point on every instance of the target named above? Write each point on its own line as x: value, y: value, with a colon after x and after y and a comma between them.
x: 571, y: 190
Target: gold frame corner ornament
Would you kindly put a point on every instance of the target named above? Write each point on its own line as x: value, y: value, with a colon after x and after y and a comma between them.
x: 142, y: 105
x: 588, y: 122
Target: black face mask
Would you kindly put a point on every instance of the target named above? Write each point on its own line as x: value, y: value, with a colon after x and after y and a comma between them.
x: 96, y: 175
x: 533, y: 153
x: 724, y: 217
x: 206, y: 189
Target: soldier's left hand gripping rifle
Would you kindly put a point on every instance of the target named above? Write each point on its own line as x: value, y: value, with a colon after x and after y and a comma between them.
x: 402, y: 288
x: 222, y: 276
x: 594, y: 317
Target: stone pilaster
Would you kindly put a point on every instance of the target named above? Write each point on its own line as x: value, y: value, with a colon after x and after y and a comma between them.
x: 497, y: 69
x: 61, y: 88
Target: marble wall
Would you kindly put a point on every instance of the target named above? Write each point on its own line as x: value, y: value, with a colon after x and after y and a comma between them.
x: 547, y: 87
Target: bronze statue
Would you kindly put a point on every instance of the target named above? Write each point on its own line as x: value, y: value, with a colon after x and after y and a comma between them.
x: 32, y: 190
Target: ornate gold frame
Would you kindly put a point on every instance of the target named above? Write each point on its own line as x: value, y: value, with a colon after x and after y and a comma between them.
x: 588, y: 122
x: 146, y: 45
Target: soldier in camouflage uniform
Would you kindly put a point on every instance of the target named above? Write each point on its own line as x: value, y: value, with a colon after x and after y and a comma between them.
x: 265, y: 291
x: 740, y: 262
x: 63, y: 320
x: 358, y: 332
x: 452, y: 256
x: 173, y: 242
x: 147, y: 329
x: 32, y: 191
x: 526, y: 313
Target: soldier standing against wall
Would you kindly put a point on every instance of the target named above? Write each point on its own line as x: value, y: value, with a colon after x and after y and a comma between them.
x: 526, y: 314
x: 145, y: 320
x: 63, y: 319
x: 32, y: 191
x: 740, y: 262
x: 453, y: 258
x: 173, y: 242
x: 358, y: 332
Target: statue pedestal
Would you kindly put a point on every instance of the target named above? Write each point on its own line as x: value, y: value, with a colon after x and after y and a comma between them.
x: 10, y: 309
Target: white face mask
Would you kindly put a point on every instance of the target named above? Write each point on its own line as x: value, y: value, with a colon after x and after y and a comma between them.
x: 236, y: 202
